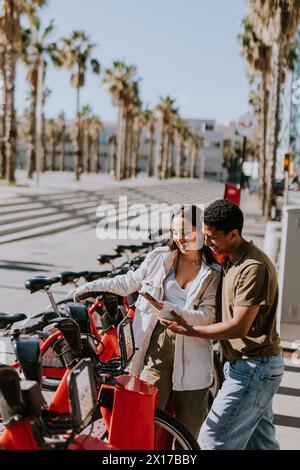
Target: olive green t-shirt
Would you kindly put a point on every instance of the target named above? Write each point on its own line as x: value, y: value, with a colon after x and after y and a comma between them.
x: 250, y: 279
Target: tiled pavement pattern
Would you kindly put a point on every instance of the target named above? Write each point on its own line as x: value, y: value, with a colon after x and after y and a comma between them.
x: 34, y: 215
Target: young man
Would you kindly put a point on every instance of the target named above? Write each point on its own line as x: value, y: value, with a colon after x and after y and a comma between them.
x: 241, y: 416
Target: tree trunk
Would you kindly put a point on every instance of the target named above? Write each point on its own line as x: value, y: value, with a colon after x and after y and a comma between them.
x: 96, y: 155
x: 78, y: 141
x: 63, y: 150
x: 178, y: 150
x: 53, y: 151
x: 120, y: 143
x: 85, y: 147
x: 135, y: 150
x: 192, y: 160
x: 180, y: 157
x: 112, y: 157
x: 2, y: 149
x: 201, y: 165
x: 31, y: 154
x: 263, y: 133
x: 165, y: 158
x: 44, y: 145
x: 150, y: 150
x: 273, y: 125
x: 89, y: 149
x: 170, y: 157
x: 10, y: 125
x: 129, y: 147
x: 160, y: 149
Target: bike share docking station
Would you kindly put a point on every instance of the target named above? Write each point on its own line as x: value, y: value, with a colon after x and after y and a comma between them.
x: 288, y: 314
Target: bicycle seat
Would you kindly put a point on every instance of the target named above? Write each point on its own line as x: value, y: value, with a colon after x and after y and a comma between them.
x: 32, y: 325
x: 35, y: 284
x: 93, y: 275
x: 146, y: 244
x: 70, y: 276
x: 6, y: 319
x: 137, y: 260
x: 121, y: 248
x: 106, y: 258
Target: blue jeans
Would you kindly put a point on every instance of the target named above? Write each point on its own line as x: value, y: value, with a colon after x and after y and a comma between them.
x: 241, y: 416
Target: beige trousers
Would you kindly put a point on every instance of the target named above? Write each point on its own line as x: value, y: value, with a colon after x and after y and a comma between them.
x: 190, y: 406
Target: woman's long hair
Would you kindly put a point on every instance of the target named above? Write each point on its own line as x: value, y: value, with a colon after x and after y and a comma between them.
x: 194, y: 215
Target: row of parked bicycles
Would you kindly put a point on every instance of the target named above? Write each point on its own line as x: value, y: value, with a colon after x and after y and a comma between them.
x: 69, y: 387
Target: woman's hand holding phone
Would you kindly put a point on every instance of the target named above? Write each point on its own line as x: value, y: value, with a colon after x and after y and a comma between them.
x: 158, y: 305
x: 163, y: 314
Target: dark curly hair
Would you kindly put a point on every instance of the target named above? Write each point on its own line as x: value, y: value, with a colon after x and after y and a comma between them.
x: 224, y: 216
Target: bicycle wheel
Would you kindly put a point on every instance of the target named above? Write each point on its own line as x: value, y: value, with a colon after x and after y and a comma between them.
x: 170, y: 434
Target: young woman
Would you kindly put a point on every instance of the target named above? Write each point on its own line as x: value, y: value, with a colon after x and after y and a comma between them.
x: 182, y: 277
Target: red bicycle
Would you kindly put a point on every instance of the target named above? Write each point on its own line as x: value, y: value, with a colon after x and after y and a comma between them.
x: 25, y: 417
x: 124, y: 402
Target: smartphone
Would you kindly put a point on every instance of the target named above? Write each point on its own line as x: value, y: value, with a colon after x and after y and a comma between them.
x: 148, y: 296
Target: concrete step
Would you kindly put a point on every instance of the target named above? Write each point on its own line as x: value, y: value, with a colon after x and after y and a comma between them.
x: 45, y: 211
x: 39, y: 231
x: 26, y: 199
x: 16, y: 208
x: 46, y: 201
x: 37, y: 215
x: 30, y: 223
x: 30, y: 215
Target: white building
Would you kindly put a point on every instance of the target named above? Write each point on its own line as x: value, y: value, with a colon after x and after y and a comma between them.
x: 212, y: 150
x: 210, y: 154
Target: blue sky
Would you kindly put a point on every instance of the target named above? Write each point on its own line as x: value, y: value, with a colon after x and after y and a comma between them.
x: 184, y: 48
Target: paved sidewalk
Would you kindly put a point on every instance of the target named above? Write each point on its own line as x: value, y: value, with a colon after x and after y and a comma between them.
x: 254, y: 225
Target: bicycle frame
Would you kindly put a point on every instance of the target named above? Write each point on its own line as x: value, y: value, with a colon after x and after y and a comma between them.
x: 19, y: 436
x: 108, y: 348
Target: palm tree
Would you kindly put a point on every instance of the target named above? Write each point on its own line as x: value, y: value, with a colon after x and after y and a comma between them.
x: 123, y: 87
x: 2, y: 106
x: 76, y: 55
x: 135, y: 128
x: 148, y: 121
x: 198, y: 142
x: 85, y: 115
x: 45, y: 95
x: 11, y: 32
x: 275, y: 23
x: 35, y: 51
x: 95, y: 127
x: 195, y: 143
x: 183, y: 135
x: 53, y: 139
x: 62, y: 131
x: 258, y: 57
x: 112, y: 141
x: 168, y: 113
